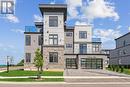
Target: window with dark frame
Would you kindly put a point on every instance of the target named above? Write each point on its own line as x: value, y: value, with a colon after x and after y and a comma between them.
x: 68, y: 45
x: 53, y: 21
x: 28, y: 40
x: 83, y: 48
x: 53, y: 39
x: 82, y: 34
x: 69, y: 34
x: 39, y: 40
x: 53, y: 57
x: 28, y: 57
x: 96, y: 47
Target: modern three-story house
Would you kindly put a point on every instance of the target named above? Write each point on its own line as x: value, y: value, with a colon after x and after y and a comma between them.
x: 62, y: 46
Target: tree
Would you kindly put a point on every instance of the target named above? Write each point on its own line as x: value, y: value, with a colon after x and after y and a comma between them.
x: 38, y: 62
x: 21, y: 63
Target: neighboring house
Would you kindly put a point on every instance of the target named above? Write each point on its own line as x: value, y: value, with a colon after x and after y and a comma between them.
x: 121, y: 54
x: 62, y: 46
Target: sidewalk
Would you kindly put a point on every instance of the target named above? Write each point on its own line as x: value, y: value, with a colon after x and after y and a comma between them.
x: 74, y: 77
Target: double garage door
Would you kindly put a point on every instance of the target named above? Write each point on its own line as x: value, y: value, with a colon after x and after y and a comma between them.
x: 72, y: 63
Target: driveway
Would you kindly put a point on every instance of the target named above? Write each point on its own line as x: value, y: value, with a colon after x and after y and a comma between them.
x: 90, y: 72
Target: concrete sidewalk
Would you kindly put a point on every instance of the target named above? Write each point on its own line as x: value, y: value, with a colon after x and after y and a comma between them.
x: 74, y: 77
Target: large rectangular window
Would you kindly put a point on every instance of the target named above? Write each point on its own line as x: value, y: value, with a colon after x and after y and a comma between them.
x: 28, y: 40
x: 53, y: 21
x: 83, y: 48
x: 82, y: 34
x: 53, y: 39
x: 96, y: 47
x: 71, y: 63
x: 28, y: 57
x: 40, y: 40
x: 53, y: 57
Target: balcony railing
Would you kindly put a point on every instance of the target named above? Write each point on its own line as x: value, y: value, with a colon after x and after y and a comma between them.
x: 30, y: 29
x: 96, y: 39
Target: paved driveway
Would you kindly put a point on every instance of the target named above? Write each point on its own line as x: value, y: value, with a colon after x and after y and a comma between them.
x: 87, y: 72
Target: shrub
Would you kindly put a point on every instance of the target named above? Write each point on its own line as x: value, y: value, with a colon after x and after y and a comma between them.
x: 117, y: 68
x: 122, y: 68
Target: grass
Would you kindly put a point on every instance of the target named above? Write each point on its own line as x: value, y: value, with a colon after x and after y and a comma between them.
x: 33, y: 80
x: 30, y: 73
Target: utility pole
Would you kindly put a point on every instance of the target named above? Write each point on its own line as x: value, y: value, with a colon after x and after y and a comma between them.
x: 8, y: 64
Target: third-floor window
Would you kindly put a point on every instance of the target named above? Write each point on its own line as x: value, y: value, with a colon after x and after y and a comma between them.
x: 53, y: 39
x: 53, y: 21
x: 82, y: 34
x: 28, y: 40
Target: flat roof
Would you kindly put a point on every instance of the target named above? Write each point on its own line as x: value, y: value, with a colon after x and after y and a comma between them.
x: 54, y: 8
x: 53, y: 5
x: 122, y: 36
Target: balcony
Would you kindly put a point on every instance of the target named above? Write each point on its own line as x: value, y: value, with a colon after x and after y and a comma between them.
x: 30, y: 29
x: 96, y: 39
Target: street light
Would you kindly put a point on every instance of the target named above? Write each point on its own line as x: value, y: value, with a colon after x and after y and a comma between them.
x: 8, y: 64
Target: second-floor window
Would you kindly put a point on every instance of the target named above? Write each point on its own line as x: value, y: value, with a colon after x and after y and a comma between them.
x: 83, y: 48
x: 28, y: 40
x: 68, y: 45
x: 28, y: 57
x: 96, y: 47
x: 53, y: 21
x: 68, y: 34
x: 39, y: 40
x: 53, y: 39
x: 82, y: 34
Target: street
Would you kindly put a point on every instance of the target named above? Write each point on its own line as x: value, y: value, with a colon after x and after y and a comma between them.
x: 66, y: 85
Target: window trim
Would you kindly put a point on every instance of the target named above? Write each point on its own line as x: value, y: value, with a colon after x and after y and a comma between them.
x: 82, y: 34
x: 53, y: 59
x: 69, y: 34
x: 68, y: 45
x: 28, y: 60
x: 53, y: 39
x: 28, y: 37
x: 52, y: 18
x: 81, y: 47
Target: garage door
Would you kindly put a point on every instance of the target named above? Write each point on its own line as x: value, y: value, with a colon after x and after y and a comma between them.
x: 71, y: 63
x: 91, y: 63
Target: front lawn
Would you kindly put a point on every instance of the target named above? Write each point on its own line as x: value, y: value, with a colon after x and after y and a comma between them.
x: 33, y: 80
x: 30, y: 73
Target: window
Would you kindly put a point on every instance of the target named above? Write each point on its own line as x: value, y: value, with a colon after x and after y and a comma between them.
x: 71, y: 63
x: 96, y: 47
x: 53, y: 21
x: 124, y: 43
x: 82, y: 34
x: 53, y: 39
x: 68, y: 34
x: 53, y: 57
x: 39, y: 40
x: 83, y: 48
x: 28, y: 57
x: 68, y: 45
x: 28, y: 40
